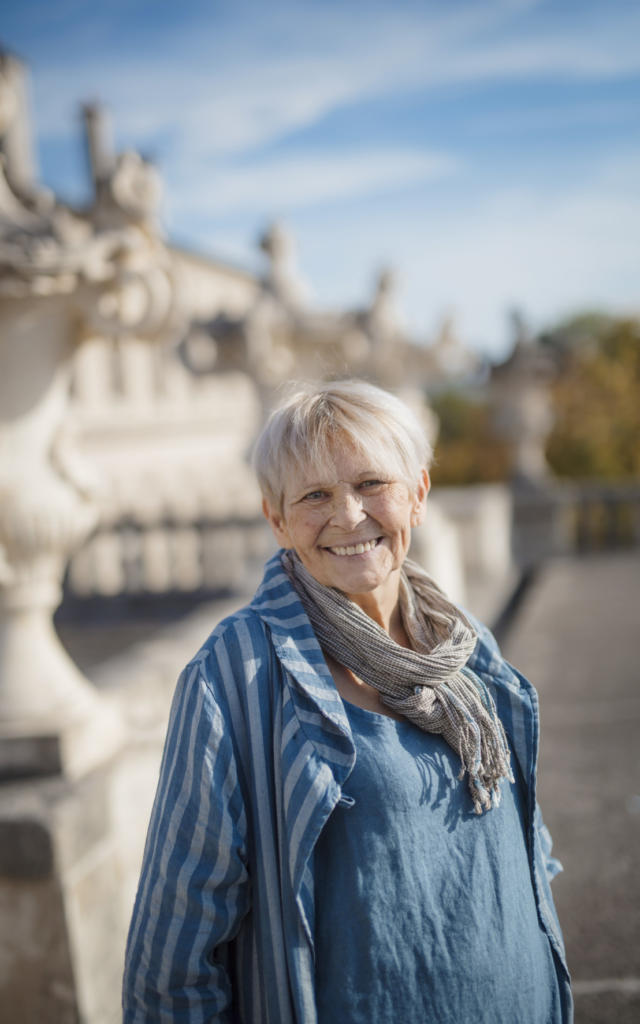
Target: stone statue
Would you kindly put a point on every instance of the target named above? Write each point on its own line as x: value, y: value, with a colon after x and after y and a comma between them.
x: 63, y: 276
x: 282, y: 279
x: 521, y: 396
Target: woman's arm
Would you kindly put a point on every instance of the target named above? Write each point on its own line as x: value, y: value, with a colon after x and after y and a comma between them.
x: 194, y: 886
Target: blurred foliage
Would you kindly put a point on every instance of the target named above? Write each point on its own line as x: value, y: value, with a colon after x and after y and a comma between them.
x: 468, y: 450
x: 596, y: 397
x: 596, y: 400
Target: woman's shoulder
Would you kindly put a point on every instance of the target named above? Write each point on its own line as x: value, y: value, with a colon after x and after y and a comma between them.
x: 488, y: 661
x: 227, y: 676
x: 237, y: 639
x: 242, y: 643
x: 487, y: 653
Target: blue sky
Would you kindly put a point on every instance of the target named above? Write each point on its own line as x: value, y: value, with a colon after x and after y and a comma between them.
x: 489, y: 150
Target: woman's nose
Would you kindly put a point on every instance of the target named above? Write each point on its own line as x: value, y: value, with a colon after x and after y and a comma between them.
x: 347, y: 509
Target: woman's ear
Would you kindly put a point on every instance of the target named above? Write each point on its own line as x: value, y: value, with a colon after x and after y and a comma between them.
x: 277, y: 524
x: 419, y: 504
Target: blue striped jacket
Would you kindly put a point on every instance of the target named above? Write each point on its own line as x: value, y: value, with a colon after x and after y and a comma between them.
x: 257, y: 750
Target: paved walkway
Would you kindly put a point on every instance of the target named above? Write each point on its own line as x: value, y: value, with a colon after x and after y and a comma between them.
x: 575, y: 636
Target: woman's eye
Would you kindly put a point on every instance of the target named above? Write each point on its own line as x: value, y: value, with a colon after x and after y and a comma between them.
x: 315, y: 496
x: 367, y: 485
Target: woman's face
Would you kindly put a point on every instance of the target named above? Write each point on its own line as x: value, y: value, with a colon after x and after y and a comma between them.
x: 351, y: 528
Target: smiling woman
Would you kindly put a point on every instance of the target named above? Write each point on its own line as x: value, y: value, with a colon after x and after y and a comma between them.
x: 314, y: 854
x: 351, y: 530
x: 345, y: 478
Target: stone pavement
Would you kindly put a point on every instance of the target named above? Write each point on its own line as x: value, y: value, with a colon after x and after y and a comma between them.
x: 575, y: 637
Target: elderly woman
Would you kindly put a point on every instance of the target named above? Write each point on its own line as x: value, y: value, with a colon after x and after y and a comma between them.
x: 345, y: 828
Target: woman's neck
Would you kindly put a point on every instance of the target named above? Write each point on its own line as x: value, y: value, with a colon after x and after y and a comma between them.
x: 384, y: 609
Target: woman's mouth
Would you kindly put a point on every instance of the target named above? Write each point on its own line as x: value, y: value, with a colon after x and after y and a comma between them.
x: 355, y: 549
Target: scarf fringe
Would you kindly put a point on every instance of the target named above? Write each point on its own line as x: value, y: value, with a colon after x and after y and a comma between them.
x: 429, y: 684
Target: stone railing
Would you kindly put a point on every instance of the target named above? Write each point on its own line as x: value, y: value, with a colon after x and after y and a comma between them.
x: 167, y: 556
x: 605, y: 516
x: 497, y: 532
x: 571, y: 518
x: 168, y: 553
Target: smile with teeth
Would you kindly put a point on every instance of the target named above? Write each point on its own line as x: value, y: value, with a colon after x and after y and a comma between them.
x: 355, y: 549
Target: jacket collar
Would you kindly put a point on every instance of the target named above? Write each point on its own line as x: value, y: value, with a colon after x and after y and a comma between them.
x: 295, y: 643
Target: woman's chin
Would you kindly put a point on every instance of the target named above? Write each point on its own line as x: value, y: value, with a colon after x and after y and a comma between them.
x: 355, y: 574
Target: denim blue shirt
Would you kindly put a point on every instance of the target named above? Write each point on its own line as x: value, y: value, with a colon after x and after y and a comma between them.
x: 258, y: 750
x: 421, y: 914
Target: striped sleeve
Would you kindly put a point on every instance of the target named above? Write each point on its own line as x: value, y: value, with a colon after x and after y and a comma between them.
x: 194, y: 885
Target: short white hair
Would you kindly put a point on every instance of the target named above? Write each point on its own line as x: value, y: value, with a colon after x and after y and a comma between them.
x: 303, y: 431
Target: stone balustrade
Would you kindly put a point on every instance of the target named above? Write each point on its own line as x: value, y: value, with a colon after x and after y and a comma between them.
x: 573, y: 517
x: 167, y: 556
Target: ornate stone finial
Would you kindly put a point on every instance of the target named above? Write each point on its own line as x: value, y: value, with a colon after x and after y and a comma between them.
x: 452, y: 360
x: 98, y: 141
x: 136, y: 187
x: 8, y: 97
x: 380, y: 324
x: 520, y: 329
x: 282, y: 278
x: 129, y: 194
x: 15, y: 126
x: 118, y: 274
x: 383, y: 316
x: 386, y: 282
x: 277, y: 242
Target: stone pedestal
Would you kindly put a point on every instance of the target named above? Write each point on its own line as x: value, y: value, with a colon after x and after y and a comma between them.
x: 482, y: 518
x: 61, y: 924
x: 482, y: 514
x: 435, y: 545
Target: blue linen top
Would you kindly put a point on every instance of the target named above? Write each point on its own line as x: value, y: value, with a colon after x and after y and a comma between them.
x: 421, y: 911
x: 258, y: 749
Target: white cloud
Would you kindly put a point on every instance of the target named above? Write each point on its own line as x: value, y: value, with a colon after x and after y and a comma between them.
x: 228, y: 93
x: 549, y: 257
x: 304, y: 179
x: 592, y: 114
x: 548, y: 253
x: 206, y: 102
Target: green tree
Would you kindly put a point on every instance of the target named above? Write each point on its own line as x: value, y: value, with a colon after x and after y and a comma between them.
x: 596, y: 402
x: 467, y: 450
x: 596, y: 399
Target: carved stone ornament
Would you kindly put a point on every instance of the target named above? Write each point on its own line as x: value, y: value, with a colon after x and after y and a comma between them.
x: 120, y: 280
x: 64, y: 275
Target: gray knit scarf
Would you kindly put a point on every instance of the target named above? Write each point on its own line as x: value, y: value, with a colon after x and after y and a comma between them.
x: 430, y: 684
